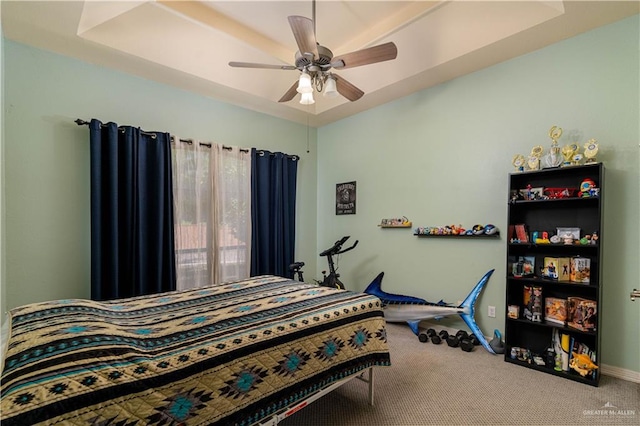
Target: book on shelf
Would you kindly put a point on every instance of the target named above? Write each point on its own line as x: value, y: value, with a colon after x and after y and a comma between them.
x: 580, y: 269
x: 522, y: 266
x: 557, y: 268
x: 513, y: 311
x: 533, y: 304
x: 521, y: 233
x: 582, y: 313
x: 555, y: 310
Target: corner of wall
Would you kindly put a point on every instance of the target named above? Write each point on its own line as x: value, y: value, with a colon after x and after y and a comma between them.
x: 3, y: 289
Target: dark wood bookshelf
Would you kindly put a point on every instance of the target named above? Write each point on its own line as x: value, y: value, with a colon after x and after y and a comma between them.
x: 546, y: 215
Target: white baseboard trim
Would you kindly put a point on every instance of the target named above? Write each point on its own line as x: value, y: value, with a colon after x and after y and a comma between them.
x: 620, y: 373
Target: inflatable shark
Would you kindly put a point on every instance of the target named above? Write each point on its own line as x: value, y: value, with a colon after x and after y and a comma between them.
x: 399, y: 308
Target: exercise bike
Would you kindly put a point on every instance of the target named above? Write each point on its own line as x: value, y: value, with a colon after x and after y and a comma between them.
x: 333, y: 278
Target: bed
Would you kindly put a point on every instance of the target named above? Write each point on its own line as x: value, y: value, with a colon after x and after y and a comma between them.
x: 241, y: 353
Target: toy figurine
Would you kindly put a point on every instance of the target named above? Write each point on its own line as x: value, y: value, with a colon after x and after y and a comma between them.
x: 586, y: 188
x: 582, y: 364
x: 536, y: 309
x: 594, y: 238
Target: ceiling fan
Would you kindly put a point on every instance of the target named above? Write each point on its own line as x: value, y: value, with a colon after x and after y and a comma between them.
x: 315, y: 62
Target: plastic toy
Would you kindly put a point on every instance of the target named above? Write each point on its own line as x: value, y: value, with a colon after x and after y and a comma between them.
x: 587, y: 188
x: 400, y: 308
x: 582, y: 364
x: 478, y: 229
x: 490, y: 229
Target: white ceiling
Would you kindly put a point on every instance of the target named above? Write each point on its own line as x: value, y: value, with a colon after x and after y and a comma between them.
x: 188, y: 44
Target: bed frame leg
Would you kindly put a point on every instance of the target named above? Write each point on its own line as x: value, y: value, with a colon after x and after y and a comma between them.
x: 370, y: 382
x: 371, y: 386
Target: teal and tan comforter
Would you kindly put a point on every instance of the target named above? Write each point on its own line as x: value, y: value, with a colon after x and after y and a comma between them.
x: 231, y: 353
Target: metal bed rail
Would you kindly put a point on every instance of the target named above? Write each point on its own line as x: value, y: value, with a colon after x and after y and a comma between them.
x: 278, y: 417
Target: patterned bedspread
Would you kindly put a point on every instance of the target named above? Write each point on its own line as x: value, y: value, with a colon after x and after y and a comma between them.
x: 231, y: 353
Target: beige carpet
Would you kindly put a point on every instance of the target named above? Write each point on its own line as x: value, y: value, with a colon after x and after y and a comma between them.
x: 437, y: 385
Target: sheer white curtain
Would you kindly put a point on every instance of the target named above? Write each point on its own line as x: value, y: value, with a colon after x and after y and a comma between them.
x: 212, y: 211
x: 232, y: 201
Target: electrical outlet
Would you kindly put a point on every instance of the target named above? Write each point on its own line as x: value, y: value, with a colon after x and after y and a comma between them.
x: 492, y: 311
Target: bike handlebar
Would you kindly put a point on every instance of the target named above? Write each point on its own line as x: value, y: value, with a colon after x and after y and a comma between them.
x: 350, y: 248
x: 336, y: 249
x: 295, y: 266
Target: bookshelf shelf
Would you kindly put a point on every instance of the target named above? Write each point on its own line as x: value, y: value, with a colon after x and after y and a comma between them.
x: 530, y: 291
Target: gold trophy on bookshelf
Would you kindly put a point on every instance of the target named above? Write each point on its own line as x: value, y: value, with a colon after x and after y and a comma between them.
x: 590, y: 151
x: 553, y: 158
x: 534, y: 158
x: 568, y: 152
x: 518, y: 162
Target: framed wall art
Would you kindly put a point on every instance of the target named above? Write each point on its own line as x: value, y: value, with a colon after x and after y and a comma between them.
x: 346, y: 198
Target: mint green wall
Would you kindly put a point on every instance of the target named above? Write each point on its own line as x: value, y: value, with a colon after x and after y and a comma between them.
x: 47, y: 160
x: 442, y: 156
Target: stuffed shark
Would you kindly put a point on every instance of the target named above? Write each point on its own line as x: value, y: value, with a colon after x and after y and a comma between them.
x: 399, y: 308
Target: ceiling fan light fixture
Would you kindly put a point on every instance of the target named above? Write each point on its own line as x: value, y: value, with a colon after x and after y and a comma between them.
x: 330, y: 90
x: 307, y: 98
x: 304, y: 83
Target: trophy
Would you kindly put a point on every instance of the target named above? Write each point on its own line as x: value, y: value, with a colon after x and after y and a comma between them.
x: 534, y: 158
x: 553, y: 159
x: 568, y: 152
x: 518, y: 162
x: 590, y: 151
x: 577, y: 158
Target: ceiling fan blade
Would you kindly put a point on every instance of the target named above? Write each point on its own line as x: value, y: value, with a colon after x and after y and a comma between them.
x: 290, y: 93
x: 370, y: 55
x: 347, y: 89
x: 302, y: 28
x: 263, y: 66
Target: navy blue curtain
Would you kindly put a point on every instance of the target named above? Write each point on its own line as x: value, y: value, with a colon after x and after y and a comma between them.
x: 132, y: 246
x: 273, y: 212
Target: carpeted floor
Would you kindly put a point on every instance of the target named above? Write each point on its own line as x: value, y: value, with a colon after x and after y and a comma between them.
x: 437, y: 385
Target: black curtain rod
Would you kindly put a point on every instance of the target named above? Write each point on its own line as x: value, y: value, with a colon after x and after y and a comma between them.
x: 261, y: 153
x: 81, y: 122
x: 208, y: 145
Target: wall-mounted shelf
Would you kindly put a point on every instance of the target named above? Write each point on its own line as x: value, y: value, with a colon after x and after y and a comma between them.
x: 402, y: 222
x: 460, y: 237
